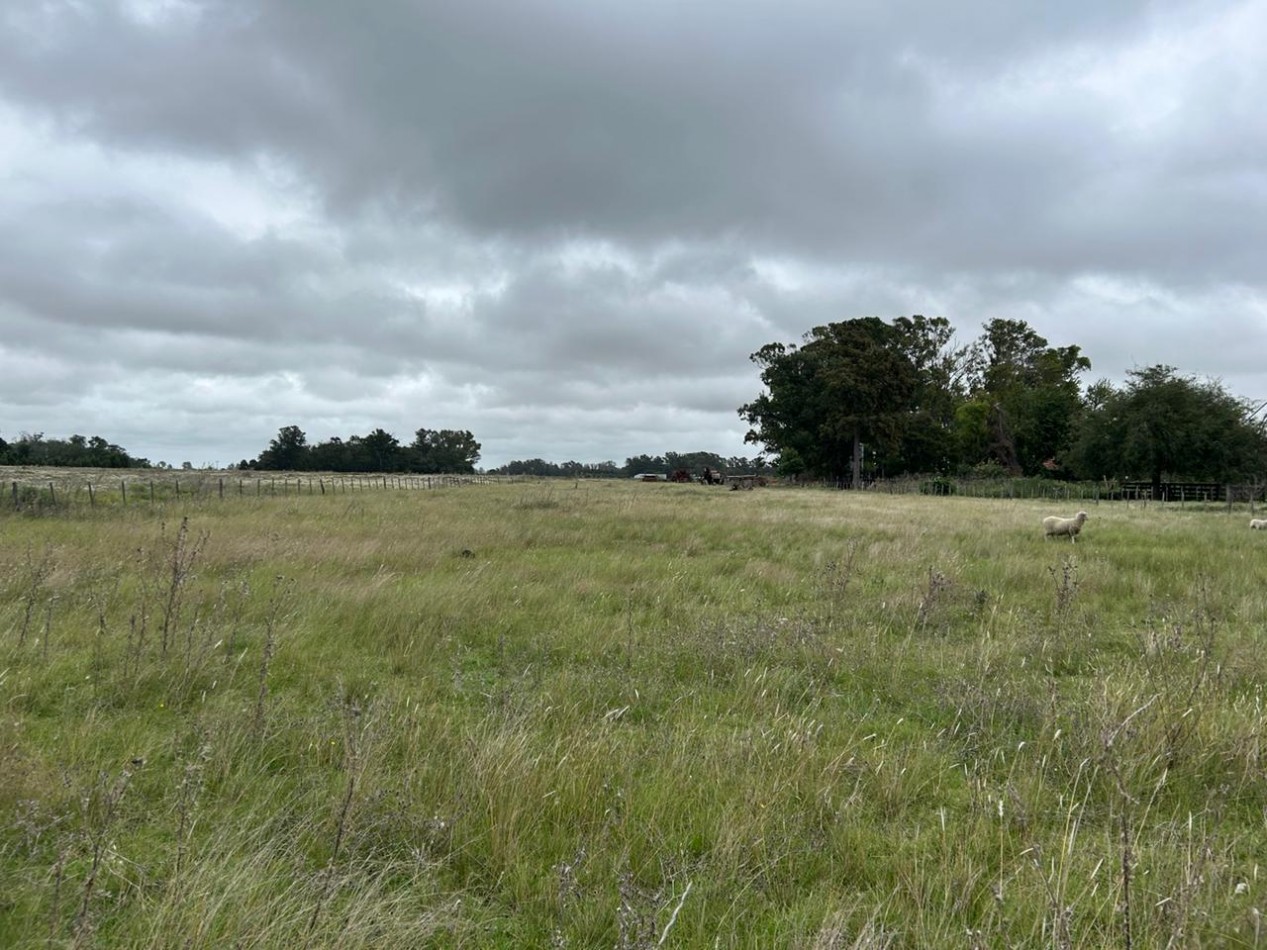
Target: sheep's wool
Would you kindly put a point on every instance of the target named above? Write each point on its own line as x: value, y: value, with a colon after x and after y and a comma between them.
x: 1054, y: 526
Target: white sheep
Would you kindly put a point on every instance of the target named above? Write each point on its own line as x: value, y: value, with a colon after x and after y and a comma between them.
x: 1054, y: 527
x: 1258, y: 524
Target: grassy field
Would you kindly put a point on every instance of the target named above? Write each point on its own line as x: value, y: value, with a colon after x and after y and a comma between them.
x: 605, y: 714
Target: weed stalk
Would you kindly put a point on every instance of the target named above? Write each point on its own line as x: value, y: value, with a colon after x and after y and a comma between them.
x: 98, y: 834
x: 266, y: 660
x: 180, y: 568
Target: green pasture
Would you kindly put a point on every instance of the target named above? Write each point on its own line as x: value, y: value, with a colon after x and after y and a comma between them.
x: 616, y: 714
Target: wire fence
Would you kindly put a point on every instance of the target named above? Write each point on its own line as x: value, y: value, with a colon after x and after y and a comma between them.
x: 50, y: 490
x: 1182, y: 494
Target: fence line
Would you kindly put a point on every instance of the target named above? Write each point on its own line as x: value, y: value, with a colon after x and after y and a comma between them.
x: 39, y: 493
x: 1180, y: 493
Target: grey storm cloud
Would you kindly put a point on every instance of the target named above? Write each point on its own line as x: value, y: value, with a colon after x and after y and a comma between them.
x: 565, y: 225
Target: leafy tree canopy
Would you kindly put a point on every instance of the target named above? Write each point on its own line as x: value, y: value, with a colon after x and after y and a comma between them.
x: 1027, y: 394
x: 1163, y: 425
x: 445, y: 451
x: 910, y: 399
x: 75, y: 452
x: 849, y: 384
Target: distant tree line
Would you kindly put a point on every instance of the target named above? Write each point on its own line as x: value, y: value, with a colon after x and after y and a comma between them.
x: 432, y: 451
x: 867, y: 398
x: 666, y: 464
x: 75, y: 452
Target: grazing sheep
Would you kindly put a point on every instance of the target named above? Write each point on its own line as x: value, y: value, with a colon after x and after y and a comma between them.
x: 1054, y: 527
x: 1258, y: 524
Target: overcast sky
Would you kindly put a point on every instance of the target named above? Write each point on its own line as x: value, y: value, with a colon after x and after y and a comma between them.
x: 565, y: 224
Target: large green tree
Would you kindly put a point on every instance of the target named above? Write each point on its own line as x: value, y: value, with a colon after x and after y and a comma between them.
x: 444, y: 450
x: 928, y: 437
x: 1024, y: 398
x: 333, y: 455
x: 288, y: 452
x: 1165, y: 425
x: 849, y: 384
x: 377, y: 452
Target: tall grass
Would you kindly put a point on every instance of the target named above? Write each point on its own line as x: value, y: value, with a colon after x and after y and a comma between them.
x: 629, y: 715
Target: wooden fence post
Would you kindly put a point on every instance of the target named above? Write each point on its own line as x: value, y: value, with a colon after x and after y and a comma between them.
x: 123, y: 490
x: 222, y: 489
x: 151, y: 491
x: 92, y: 501
x: 15, y: 495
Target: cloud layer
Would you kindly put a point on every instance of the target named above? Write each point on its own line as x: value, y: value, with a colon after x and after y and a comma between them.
x: 564, y: 226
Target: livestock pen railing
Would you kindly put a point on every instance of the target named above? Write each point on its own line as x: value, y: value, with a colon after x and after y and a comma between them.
x: 45, y: 490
